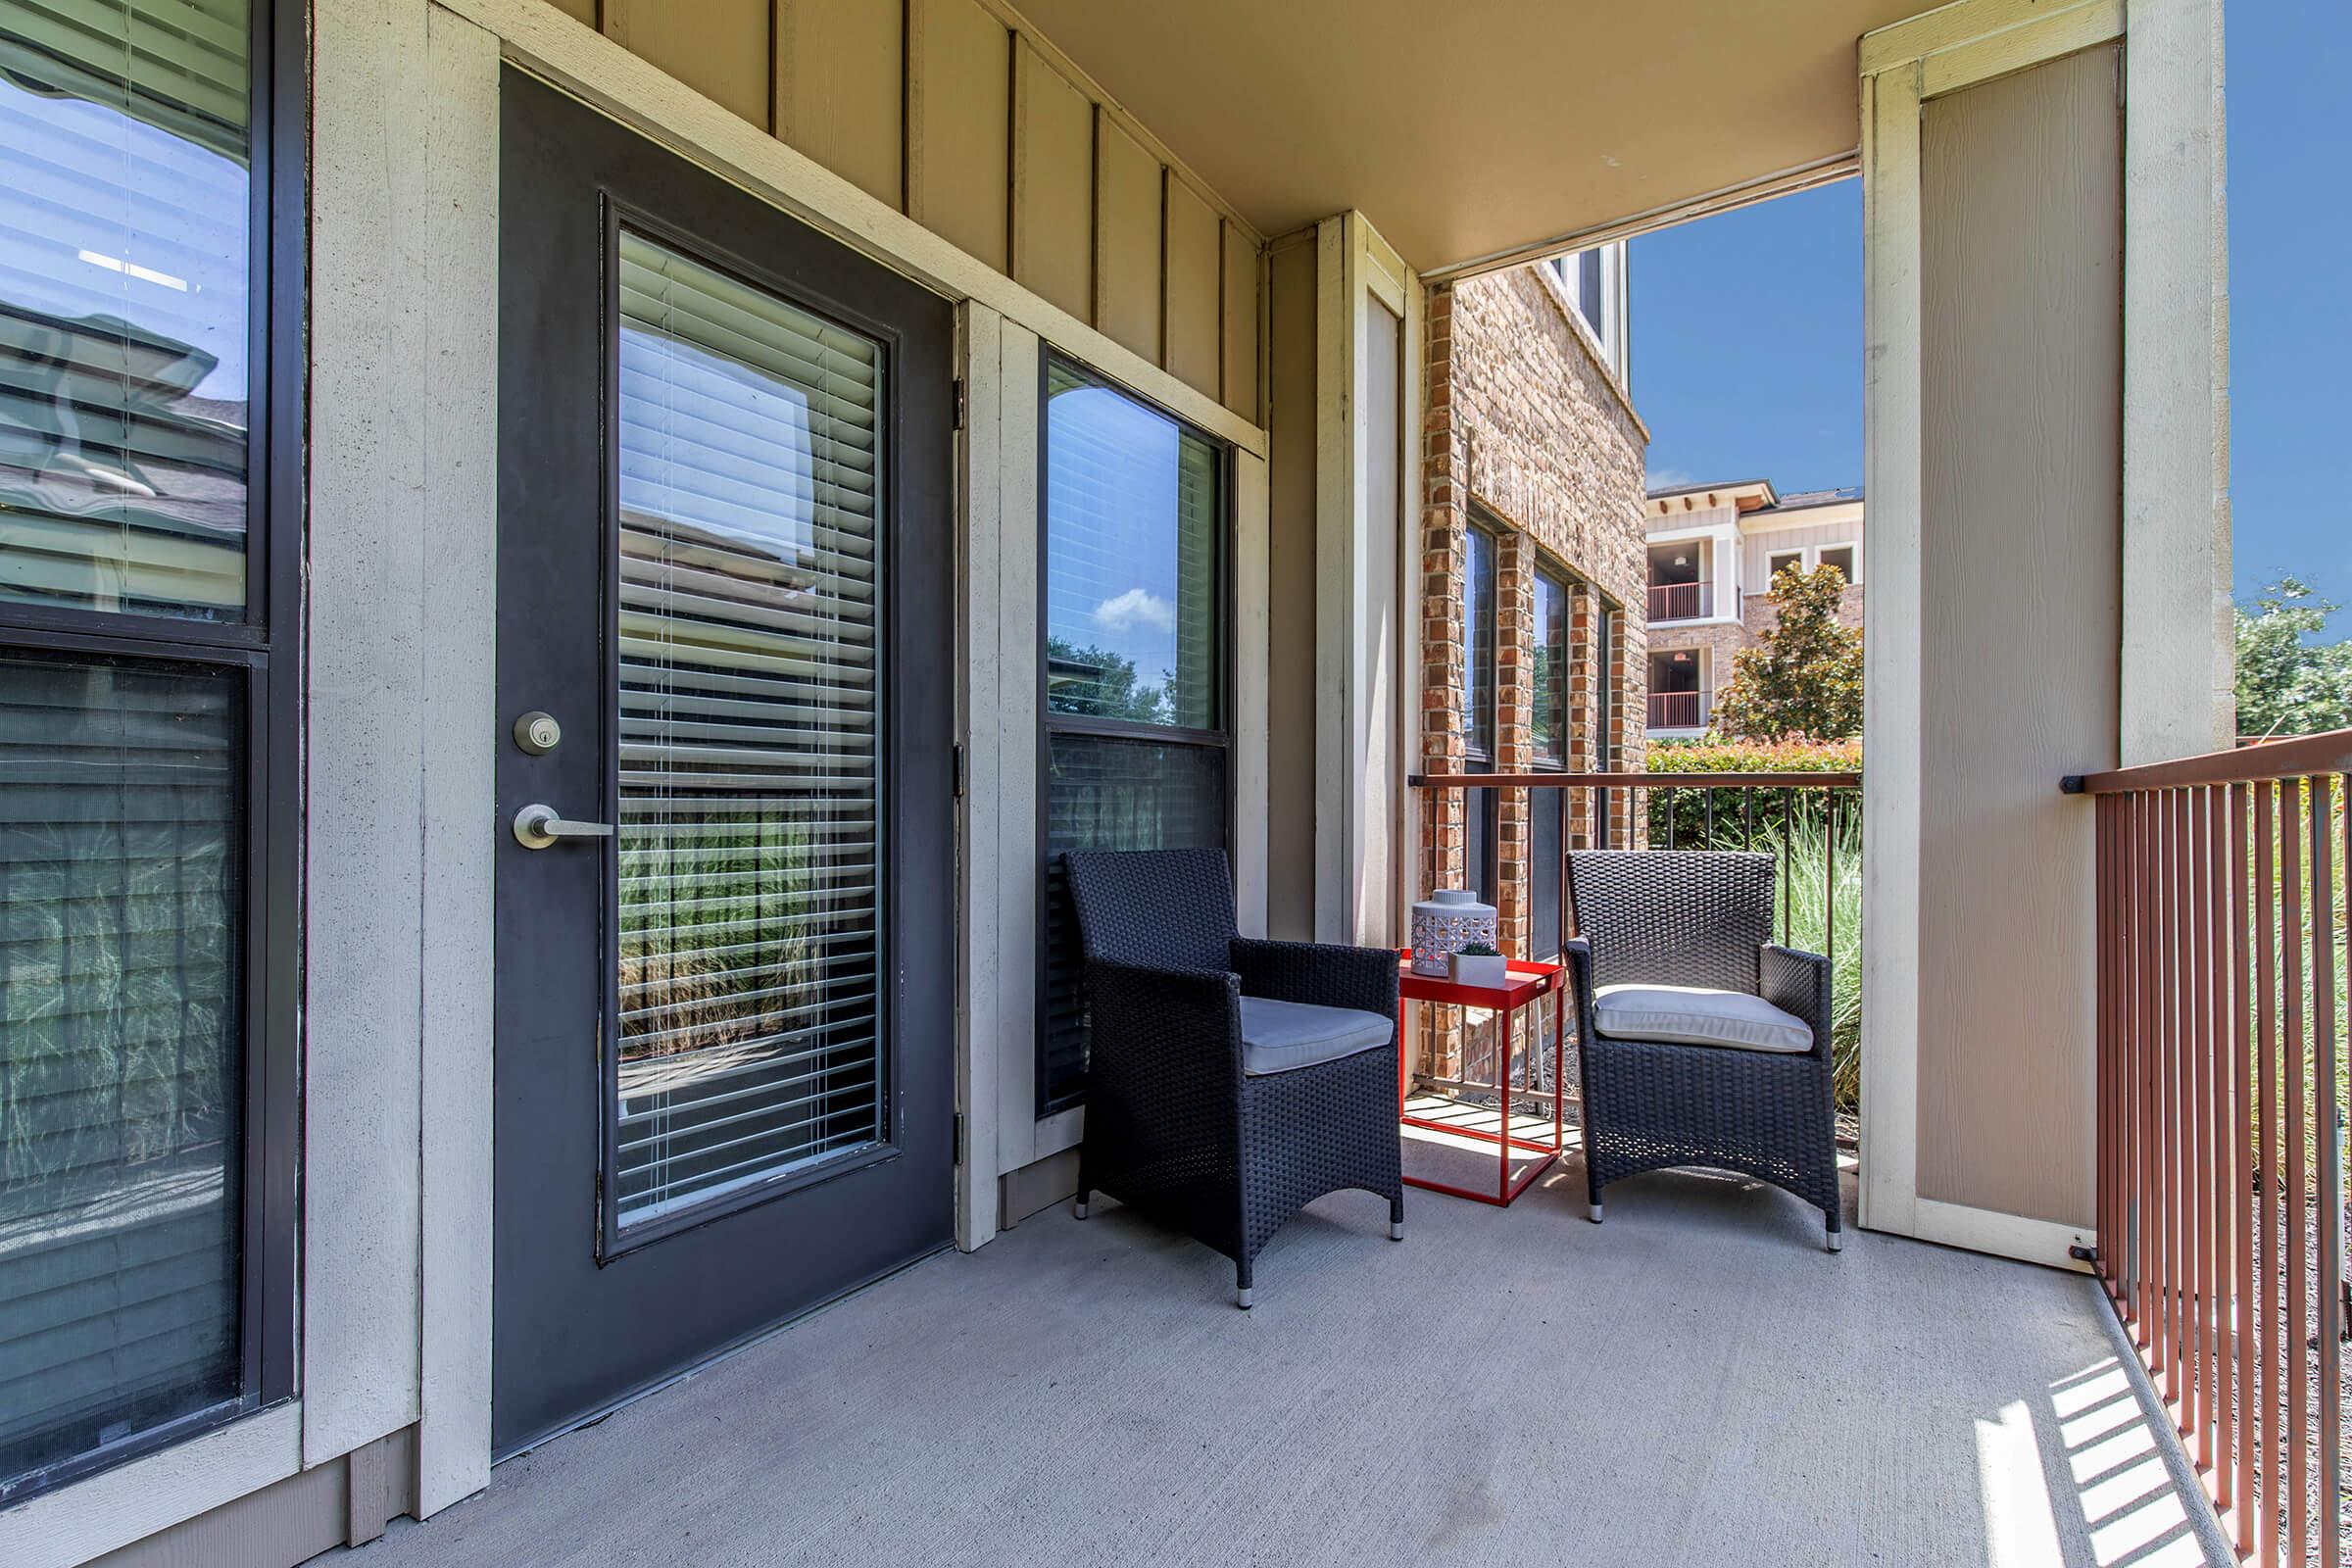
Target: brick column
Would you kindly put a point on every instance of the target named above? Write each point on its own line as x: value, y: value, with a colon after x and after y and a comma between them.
x: 1514, y: 738
x: 1444, y: 564
x: 1629, y: 681
x: 1587, y: 723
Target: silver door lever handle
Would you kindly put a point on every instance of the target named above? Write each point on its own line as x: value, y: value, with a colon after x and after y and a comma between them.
x: 538, y: 826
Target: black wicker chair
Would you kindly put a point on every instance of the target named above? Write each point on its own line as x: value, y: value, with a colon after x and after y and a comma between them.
x: 1700, y: 917
x: 1177, y: 1125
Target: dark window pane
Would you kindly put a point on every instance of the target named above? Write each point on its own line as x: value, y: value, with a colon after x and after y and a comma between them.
x: 1549, y: 713
x: 1111, y: 794
x: 1544, y: 863
x: 1478, y: 642
x: 1842, y: 557
x: 121, y: 810
x: 1588, y: 291
x: 1134, y: 523
x: 125, y: 181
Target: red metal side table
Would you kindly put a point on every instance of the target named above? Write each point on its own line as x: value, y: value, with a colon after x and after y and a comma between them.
x: 1528, y: 982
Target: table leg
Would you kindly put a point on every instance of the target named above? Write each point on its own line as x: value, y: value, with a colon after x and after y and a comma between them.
x: 1502, y: 1057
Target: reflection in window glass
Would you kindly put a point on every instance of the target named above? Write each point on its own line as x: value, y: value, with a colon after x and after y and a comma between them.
x: 1135, y: 638
x: 120, y: 1052
x: 750, y: 842
x: 125, y: 181
x: 1549, y: 718
x: 1477, y: 644
x: 1134, y: 518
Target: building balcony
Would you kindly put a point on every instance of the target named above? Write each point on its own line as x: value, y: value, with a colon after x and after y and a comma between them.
x: 1680, y: 601
x: 1676, y: 710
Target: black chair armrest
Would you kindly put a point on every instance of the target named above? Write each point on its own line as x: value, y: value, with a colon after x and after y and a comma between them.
x: 1576, y: 955
x: 1323, y: 973
x: 1165, y: 1036
x: 1798, y: 983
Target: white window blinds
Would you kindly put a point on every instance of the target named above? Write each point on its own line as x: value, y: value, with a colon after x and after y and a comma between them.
x: 749, y: 834
x: 124, y: 260
x: 120, y: 1052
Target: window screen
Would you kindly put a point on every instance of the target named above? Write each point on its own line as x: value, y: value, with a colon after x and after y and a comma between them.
x: 1134, y: 662
x: 750, y: 836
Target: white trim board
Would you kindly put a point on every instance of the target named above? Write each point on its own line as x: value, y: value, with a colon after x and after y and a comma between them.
x: 1985, y: 1230
x: 115, y: 1507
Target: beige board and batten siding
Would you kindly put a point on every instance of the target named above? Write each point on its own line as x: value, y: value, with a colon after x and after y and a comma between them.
x: 2022, y: 572
x: 1290, y: 381
x: 961, y: 117
x: 1756, y: 550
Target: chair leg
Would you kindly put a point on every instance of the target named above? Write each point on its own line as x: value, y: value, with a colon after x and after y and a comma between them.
x: 1241, y: 1294
x: 1835, y: 1240
x: 1396, y: 1218
x: 1079, y: 1208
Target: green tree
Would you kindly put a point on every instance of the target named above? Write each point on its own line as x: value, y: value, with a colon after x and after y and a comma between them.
x: 1097, y: 682
x: 1804, y: 682
x: 2289, y: 681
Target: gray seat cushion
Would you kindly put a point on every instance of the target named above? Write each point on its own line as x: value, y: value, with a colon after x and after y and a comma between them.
x: 1694, y: 1016
x: 1280, y: 1036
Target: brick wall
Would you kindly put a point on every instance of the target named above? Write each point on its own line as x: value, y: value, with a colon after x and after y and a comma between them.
x: 1523, y: 417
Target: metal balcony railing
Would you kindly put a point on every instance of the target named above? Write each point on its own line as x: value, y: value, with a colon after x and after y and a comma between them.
x: 1675, y: 710
x: 2220, y: 1111
x: 1680, y: 601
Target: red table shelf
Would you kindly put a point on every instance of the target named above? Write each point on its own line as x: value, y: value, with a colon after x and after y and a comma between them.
x: 1528, y: 982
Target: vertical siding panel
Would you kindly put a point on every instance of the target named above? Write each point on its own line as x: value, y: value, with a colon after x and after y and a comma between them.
x: 1052, y: 183
x: 1194, y: 335
x: 1238, y: 384
x: 959, y: 119
x: 1127, y: 212
x: 721, y: 48
x: 2020, y: 467
x: 840, y: 83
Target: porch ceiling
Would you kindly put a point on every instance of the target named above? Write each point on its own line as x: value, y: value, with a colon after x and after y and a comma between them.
x: 1476, y: 127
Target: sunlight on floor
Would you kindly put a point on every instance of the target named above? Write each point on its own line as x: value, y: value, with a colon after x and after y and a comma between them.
x: 2118, y: 1473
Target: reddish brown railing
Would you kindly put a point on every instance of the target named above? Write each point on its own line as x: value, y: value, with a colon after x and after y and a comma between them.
x: 1679, y: 601
x: 2221, y: 1106
x: 1674, y: 710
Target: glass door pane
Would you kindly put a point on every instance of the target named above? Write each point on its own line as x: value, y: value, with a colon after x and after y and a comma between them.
x: 750, y: 836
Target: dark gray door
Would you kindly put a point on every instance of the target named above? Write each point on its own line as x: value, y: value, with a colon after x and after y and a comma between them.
x: 725, y: 1075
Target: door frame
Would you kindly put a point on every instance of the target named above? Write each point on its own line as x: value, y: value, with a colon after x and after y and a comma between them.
x: 591, y: 1321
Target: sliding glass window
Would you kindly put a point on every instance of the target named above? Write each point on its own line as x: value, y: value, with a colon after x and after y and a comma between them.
x: 1134, y: 662
x: 147, y: 844
x: 1548, y: 809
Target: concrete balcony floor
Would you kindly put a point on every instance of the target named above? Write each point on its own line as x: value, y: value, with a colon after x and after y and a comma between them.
x: 1694, y: 1382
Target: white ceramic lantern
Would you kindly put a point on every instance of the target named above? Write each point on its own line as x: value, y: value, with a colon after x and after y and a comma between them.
x: 1443, y: 923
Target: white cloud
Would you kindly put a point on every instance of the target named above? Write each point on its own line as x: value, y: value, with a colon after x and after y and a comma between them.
x: 1667, y: 478
x: 1136, y: 607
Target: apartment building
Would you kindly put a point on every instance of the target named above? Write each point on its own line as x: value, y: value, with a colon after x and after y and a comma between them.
x: 1712, y: 551
x: 1533, y: 589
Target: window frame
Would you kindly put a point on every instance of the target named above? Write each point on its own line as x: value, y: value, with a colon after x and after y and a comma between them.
x: 264, y: 645
x: 1218, y: 738
x: 1799, y: 555
x: 1853, y: 573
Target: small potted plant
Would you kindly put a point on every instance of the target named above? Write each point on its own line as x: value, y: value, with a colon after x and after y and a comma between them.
x: 1477, y: 963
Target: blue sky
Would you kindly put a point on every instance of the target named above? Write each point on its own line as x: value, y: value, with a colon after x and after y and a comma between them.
x: 1747, y: 328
